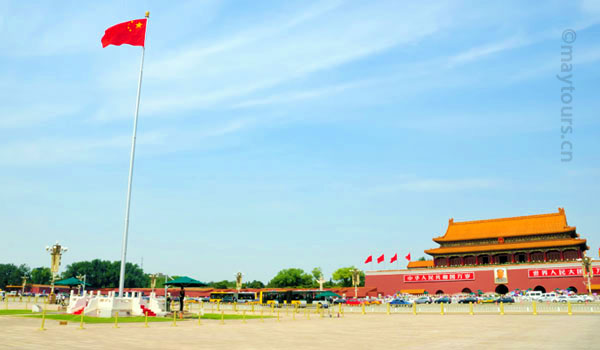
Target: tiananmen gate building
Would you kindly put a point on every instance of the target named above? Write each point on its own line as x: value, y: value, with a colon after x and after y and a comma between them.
x: 538, y: 252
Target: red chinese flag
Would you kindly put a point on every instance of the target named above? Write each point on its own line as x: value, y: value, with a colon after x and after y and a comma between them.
x: 369, y: 259
x: 131, y: 32
x: 408, y: 257
x: 394, y: 258
x: 380, y: 259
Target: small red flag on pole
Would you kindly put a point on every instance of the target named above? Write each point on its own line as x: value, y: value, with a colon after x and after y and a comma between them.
x: 408, y: 257
x: 380, y: 259
x: 369, y: 259
x: 394, y: 258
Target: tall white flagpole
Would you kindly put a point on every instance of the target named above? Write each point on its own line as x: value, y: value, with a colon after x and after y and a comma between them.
x: 128, y: 205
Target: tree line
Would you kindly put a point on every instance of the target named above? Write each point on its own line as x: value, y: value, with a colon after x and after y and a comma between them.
x: 105, y: 274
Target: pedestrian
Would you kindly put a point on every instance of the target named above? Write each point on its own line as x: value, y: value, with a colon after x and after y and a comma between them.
x: 181, y: 298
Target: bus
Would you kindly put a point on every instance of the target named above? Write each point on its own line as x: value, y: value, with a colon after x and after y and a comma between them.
x: 231, y: 297
x: 302, y: 298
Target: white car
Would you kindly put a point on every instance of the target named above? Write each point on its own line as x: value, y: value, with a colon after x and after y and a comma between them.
x: 532, y: 295
x: 569, y: 298
x: 587, y: 298
x: 548, y: 297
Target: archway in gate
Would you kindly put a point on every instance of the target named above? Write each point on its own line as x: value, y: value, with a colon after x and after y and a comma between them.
x: 540, y: 289
x: 501, y: 289
x: 466, y: 290
x: 572, y: 289
x: 439, y: 292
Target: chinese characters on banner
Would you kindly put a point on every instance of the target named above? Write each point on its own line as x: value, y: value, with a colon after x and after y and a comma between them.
x: 434, y: 277
x: 561, y: 272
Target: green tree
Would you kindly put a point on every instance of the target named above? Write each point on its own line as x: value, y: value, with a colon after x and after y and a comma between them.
x: 41, y: 275
x: 254, y: 284
x: 317, y: 272
x: 224, y: 284
x: 422, y: 259
x: 11, y: 274
x: 343, y: 276
x: 292, y: 277
x: 105, y: 274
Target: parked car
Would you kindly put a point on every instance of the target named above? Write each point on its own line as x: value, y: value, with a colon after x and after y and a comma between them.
x: 339, y: 301
x: 399, y: 301
x: 468, y: 300
x: 587, y: 298
x: 505, y: 299
x: 547, y: 297
x: 487, y: 300
x: 445, y: 300
x: 373, y: 302
x: 569, y: 298
x: 423, y: 300
x: 532, y: 295
x: 354, y: 301
x: 228, y: 299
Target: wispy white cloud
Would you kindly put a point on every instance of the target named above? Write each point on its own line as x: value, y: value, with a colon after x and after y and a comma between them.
x: 34, y: 115
x: 230, y: 70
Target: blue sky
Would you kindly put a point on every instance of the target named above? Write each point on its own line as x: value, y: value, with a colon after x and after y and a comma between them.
x: 289, y: 134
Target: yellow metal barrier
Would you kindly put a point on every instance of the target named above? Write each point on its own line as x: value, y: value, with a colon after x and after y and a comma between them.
x: 501, y: 308
x: 244, y: 316
x: 116, y: 320
x: 470, y: 308
x: 414, y: 308
x: 174, y: 319
x: 363, y: 309
x: 146, y: 319
x: 199, y: 317
x: 569, y: 309
x: 43, y: 318
x: 261, y: 315
x: 277, y: 315
x: 81, y: 321
x: 534, y: 308
x: 222, y: 317
x: 442, y: 309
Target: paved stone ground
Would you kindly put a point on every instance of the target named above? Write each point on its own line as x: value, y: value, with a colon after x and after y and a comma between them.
x: 351, y: 332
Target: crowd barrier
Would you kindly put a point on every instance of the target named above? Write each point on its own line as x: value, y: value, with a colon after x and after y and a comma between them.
x: 295, y: 311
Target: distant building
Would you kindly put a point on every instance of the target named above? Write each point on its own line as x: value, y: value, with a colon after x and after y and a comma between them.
x: 540, y: 252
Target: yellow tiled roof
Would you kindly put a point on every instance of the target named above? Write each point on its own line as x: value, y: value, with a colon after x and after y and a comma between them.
x: 508, y: 246
x: 417, y: 264
x: 506, y: 227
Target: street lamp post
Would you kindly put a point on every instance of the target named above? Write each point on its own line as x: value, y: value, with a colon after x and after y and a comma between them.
x: 24, y: 284
x: 56, y: 252
x: 238, y: 281
x: 153, y: 281
x: 82, y: 278
x: 588, y: 272
x: 355, y: 281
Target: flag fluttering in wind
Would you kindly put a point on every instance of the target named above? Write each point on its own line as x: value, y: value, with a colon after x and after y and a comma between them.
x: 380, y: 259
x: 408, y: 257
x: 131, y: 32
x: 394, y: 258
x: 369, y: 259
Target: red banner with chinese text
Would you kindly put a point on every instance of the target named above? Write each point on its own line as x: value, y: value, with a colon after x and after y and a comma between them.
x: 436, y: 277
x: 559, y: 272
